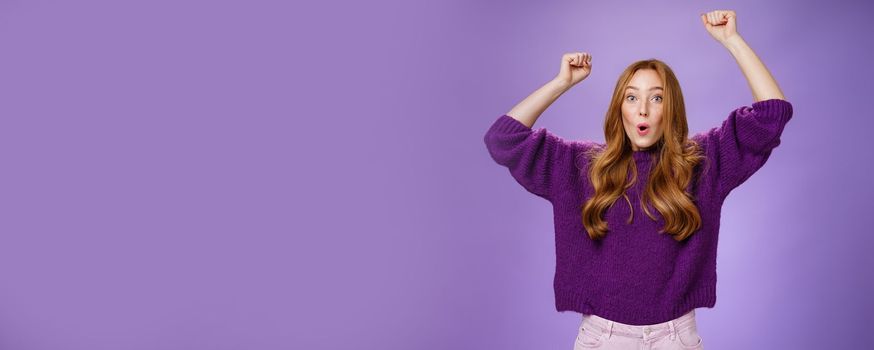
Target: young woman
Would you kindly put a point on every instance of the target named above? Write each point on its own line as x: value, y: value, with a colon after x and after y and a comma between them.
x: 637, y: 268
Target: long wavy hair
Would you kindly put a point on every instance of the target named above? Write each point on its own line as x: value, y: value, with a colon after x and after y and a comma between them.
x: 677, y: 156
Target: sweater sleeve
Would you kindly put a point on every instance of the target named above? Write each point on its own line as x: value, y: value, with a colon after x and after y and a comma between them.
x: 535, y: 157
x: 744, y: 141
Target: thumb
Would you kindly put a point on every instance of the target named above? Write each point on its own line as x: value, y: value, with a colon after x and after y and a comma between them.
x: 566, y: 63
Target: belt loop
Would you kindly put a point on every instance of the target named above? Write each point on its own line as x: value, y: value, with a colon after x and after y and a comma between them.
x: 673, y: 330
x: 609, y: 329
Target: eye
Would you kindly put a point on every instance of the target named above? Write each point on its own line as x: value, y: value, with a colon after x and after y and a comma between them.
x: 629, y: 96
x: 659, y: 97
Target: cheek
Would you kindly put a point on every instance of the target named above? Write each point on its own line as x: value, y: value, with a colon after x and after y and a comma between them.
x: 626, y: 117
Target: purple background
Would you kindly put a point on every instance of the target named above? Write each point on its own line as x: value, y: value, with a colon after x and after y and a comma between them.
x: 280, y: 175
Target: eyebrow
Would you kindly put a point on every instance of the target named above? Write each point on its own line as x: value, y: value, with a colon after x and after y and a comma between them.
x: 652, y: 88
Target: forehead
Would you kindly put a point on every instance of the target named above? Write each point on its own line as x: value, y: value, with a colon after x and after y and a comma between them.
x: 645, y: 79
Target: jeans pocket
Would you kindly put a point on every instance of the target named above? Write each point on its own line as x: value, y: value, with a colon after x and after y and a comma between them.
x: 588, y: 338
x: 688, y: 338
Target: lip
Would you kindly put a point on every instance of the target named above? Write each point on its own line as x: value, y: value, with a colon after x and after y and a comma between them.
x: 644, y: 132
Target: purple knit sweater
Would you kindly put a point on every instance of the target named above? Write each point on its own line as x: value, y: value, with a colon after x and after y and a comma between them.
x: 636, y: 275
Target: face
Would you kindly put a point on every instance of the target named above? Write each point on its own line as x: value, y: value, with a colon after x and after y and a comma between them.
x: 642, y: 104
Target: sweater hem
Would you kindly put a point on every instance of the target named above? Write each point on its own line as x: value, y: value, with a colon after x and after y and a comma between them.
x: 577, y: 302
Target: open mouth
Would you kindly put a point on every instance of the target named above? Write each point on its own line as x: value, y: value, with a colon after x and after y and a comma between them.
x: 642, y: 129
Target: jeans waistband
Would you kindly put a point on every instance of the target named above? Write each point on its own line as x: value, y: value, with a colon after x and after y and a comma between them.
x: 646, y: 332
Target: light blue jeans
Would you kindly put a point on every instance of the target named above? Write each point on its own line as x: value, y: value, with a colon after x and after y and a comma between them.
x: 596, y: 332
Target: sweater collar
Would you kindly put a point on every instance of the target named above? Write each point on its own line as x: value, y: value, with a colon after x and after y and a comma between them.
x: 645, y: 154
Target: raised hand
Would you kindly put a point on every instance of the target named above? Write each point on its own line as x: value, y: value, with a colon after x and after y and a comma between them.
x: 721, y: 24
x: 575, y: 67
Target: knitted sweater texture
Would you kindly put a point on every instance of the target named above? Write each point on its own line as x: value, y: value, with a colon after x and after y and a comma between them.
x: 636, y: 275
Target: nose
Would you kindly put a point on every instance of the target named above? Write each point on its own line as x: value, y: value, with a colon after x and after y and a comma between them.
x: 642, y: 111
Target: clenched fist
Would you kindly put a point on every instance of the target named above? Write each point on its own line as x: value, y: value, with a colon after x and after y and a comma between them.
x: 575, y: 67
x: 720, y: 24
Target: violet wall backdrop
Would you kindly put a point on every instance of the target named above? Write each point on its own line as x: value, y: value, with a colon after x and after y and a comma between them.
x: 300, y: 175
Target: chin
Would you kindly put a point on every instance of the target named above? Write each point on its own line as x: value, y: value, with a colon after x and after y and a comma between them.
x: 644, y: 146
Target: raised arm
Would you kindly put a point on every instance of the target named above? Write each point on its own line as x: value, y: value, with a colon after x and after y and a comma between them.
x: 722, y: 26
x: 745, y: 140
x: 538, y: 159
x: 575, y: 67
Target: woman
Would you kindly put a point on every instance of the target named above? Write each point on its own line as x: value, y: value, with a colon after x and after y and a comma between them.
x: 637, y: 268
